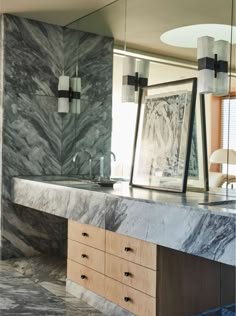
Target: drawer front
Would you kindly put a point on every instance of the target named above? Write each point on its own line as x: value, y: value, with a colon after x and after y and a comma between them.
x: 87, y: 234
x: 131, y: 274
x: 132, y: 300
x: 87, y: 256
x: 85, y: 277
x: 131, y: 249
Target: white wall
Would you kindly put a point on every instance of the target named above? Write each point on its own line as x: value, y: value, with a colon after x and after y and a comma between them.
x: 124, y: 114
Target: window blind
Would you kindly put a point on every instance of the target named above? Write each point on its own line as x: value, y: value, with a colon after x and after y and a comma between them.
x: 228, y: 139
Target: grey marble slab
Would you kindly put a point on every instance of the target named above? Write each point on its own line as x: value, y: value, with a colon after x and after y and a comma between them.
x: 92, y: 54
x: 27, y: 232
x: 33, y: 56
x: 21, y: 296
x: 68, y: 146
x: 71, y: 51
x: 1, y: 110
x: 36, y: 140
x: 177, y: 224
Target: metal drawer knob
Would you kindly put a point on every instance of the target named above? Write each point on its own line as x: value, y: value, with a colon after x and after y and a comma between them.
x: 84, y: 256
x: 83, y: 277
x: 85, y: 234
x: 127, y: 249
x: 126, y: 274
x: 126, y: 299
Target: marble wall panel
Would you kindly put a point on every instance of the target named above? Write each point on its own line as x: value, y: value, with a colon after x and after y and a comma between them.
x: 33, y: 56
x: 1, y: 117
x: 71, y: 51
x: 36, y: 139
x: 93, y: 125
x: 31, y: 137
x: 32, y: 130
x: 68, y: 148
x: 27, y: 232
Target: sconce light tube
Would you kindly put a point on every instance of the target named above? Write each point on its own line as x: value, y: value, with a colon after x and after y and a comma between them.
x: 63, y: 94
x: 128, y: 84
x: 221, y: 80
x: 142, y: 69
x: 205, y: 56
x: 75, y: 84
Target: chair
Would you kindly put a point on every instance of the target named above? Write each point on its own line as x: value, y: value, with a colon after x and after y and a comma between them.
x: 222, y: 156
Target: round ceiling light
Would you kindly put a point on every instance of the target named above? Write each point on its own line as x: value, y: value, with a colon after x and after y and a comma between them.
x: 187, y: 36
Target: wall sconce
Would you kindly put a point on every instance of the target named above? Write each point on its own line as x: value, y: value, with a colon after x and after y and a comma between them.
x: 213, y: 59
x: 69, y: 91
x: 135, y: 76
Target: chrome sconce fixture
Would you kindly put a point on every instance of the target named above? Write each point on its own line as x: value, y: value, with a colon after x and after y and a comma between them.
x: 213, y: 59
x: 135, y: 76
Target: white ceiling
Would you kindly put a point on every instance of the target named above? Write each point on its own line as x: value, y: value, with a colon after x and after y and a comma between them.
x: 59, y: 12
x: 146, y: 20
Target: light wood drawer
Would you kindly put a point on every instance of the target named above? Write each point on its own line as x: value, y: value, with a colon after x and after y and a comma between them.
x: 134, y: 301
x: 85, y: 277
x: 88, y: 256
x: 134, y: 250
x: 131, y: 274
x: 87, y: 234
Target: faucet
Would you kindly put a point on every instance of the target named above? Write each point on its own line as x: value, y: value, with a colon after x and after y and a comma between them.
x: 102, y: 163
x: 113, y: 155
x: 90, y: 160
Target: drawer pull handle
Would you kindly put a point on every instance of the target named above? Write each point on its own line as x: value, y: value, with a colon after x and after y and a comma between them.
x: 85, y: 234
x: 126, y: 299
x: 83, y: 277
x: 127, y: 274
x: 84, y: 256
x: 127, y: 249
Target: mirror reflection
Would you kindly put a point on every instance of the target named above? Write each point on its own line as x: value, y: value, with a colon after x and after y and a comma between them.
x: 151, y: 32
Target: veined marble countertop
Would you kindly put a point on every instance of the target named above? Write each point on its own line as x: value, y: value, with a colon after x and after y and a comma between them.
x: 172, y: 220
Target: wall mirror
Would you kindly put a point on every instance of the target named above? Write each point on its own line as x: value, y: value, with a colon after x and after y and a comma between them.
x: 137, y: 28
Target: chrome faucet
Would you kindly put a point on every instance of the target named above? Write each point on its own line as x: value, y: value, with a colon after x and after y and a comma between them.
x: 90, y: 160
x: 102, y: 163
x: 113, y: 155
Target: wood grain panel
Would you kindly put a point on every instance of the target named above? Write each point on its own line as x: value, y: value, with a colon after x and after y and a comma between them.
x: 139, y: 251
x: 131, y: 274
x: 87, y: 234
x: 85, y: 277
x: 138, y: 303
x: 86, y: 255
x: 187, y: 284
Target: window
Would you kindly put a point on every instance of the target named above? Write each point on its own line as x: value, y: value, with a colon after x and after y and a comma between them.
x: 229, y: 124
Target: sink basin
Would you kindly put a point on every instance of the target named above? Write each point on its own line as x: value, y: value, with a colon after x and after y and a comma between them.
x: 71, y: 182
x: 220, y: 203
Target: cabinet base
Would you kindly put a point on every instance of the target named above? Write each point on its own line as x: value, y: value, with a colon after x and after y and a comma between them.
x: 106, y: 307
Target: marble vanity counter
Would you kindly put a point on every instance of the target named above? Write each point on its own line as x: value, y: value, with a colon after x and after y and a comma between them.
x: 172, y: 220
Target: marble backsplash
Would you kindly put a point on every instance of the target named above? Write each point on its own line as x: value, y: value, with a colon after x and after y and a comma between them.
x: 92, y: 128
x: 36, y: 139
x: 1, y: 116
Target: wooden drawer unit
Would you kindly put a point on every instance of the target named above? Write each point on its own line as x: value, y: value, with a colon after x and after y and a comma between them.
x: 131, y: 249
x: 132, y: 300
x: 85, y: 277
x: 131, y: 274
x: 87, y: 256
x: 86, y: 234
